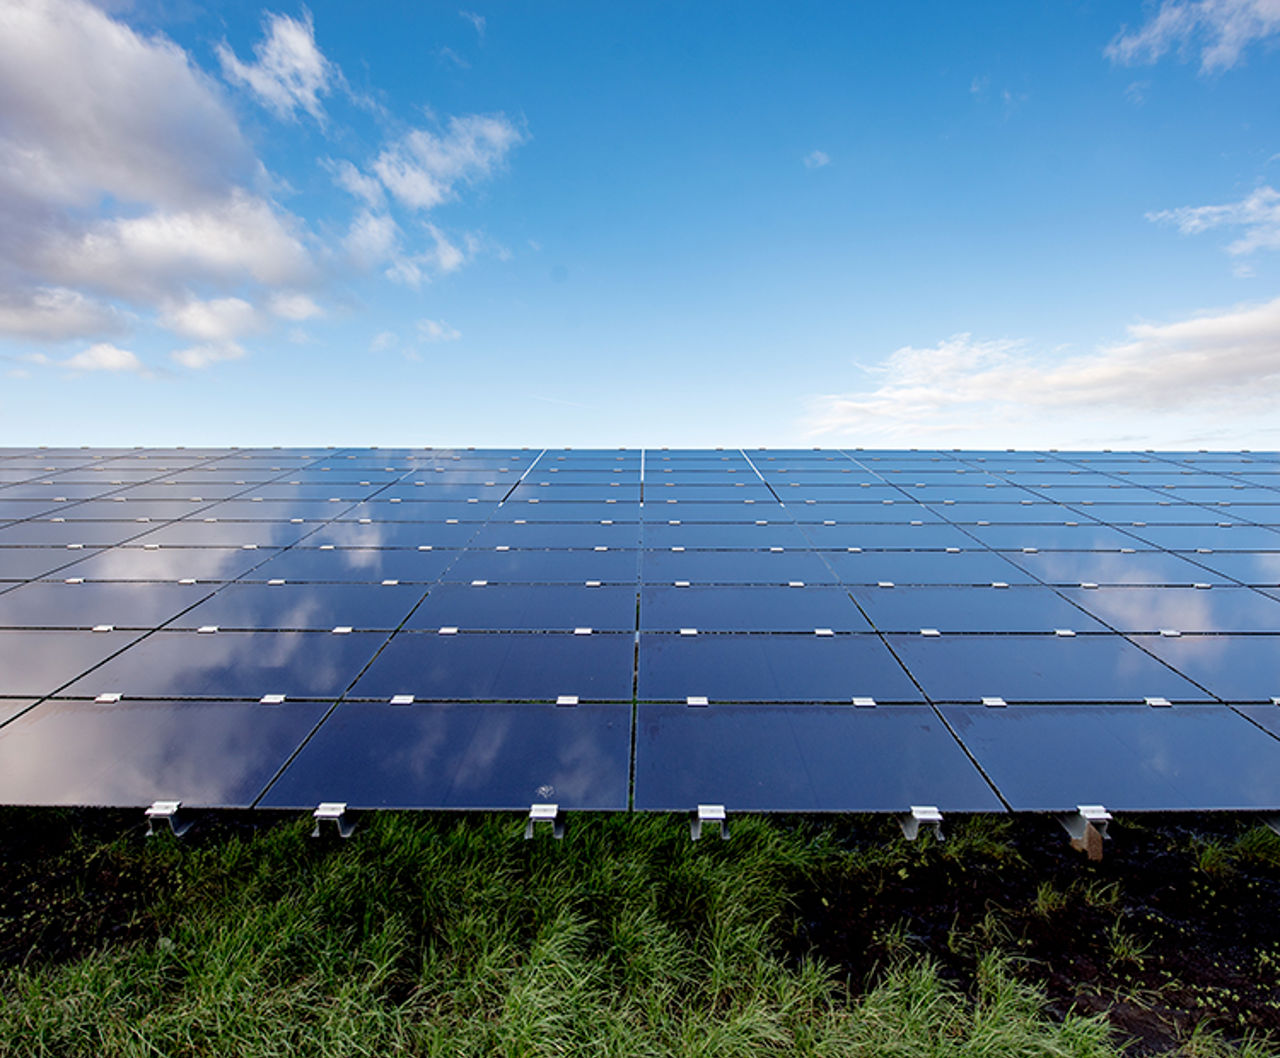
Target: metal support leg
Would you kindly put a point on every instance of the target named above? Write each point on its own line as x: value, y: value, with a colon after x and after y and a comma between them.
x: 709, y: 814
x: 545, y: 814
x: 921, y: 815
x: 169, y: 811
x: 1087, y: 826
x: 334, y: 812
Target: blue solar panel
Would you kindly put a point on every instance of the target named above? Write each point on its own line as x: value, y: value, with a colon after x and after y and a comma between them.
x: 774, y: 630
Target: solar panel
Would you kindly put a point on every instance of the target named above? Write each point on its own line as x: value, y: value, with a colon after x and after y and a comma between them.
x: 768, y: 630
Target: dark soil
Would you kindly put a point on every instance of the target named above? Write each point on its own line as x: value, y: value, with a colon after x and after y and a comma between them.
x: 1177, y: 925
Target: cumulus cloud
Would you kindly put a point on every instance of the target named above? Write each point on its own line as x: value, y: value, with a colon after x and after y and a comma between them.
x: 1258, y: 214
x: 1212, y: 371
x: 92, y: 108
x: 437, y: 331
x: 56, y: 314
x: 816, y: 159
x: 141, y: 258
x: 124, y: 177
x: 217, y: 320
x: 294, y: 306
x: 1219, y: 29
x: 104, y: 357
x: 289, y: 73
x: 198, y: 357
x: 372, y: 238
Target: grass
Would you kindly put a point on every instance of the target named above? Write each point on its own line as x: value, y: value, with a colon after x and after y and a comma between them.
x: 430, y: 935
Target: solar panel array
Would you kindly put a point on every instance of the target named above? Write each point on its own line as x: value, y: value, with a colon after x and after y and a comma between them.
x: 769, y: 630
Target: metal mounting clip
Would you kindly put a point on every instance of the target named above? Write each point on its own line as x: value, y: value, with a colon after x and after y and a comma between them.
x: 709, y: 814
x: 545, y: 814
x: 335, y: 812
x: 921, y: 815
x: 1087, y: 826
x: 168, y: 811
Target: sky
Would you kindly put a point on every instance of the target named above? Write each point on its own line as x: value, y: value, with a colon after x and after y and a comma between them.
x: 919, y: 224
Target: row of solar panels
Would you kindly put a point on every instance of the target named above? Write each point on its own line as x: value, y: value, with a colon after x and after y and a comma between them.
x: 779, y: 663
x: 762, y: 758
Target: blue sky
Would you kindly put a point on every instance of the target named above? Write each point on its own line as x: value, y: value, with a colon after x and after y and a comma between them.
x: 1019, y: 224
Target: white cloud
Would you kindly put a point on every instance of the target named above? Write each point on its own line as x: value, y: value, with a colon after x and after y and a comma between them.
x: 198, y: 357
x: 1258, y: 214
x: 149, y: 256
x: 290, y: 71
x: 816, y: 159
x: 1220, y: 29
x: 383, y: 341
x: 218, y: 320
x: 124, y: 174
x: 371, y: 239
x: 90, y: 107
x: 1202, y: 376
x: 478, y: 21
x: 437, y: 331
x: 56, y: 314
x: 351, y: 179
x: 441, y: 258
x: 104, y: 357
x: 293, y: 306
x: 423, y: 169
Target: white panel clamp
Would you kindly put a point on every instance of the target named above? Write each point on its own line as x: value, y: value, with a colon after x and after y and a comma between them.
x: 169, y: 812
x: 921, y: 815
x: 336, y: 813
x: 709, y: 814
x: 545, y: 814
x: 1087, y: 826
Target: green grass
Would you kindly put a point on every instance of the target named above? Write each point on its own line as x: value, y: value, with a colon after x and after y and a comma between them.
x: 442, y: 936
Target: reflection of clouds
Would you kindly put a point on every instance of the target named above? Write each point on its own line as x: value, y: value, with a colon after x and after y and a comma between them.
x: 37, y: 663
x: 235, y: 664
x: 353, y: 534
x: 133, y: 754
x: 1145, y: 610
x: 168, y: 563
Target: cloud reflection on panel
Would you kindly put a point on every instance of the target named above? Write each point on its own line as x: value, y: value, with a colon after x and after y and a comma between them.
x: 211, y: 754
x: 463, y: 756
x: 169, y: 563
x: 234, y: 665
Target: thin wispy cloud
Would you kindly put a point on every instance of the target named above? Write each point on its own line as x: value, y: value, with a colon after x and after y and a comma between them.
x: 289, y: 72
x: 816, y: 159
x: 1257, y: 215
x: 432, y: 331
x: 1186, y: 375
x: 1219, y: 31
x: 477, y: 22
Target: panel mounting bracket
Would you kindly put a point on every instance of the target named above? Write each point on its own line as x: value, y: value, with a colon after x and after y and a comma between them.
x: 1087, y: 826
x: 170, y: 812
x: 336, y: 813
x: 709, y: 814
x: 927, y: 816
x: 545, y: 813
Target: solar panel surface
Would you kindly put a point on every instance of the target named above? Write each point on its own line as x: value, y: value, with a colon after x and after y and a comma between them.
x: 772, y: 630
